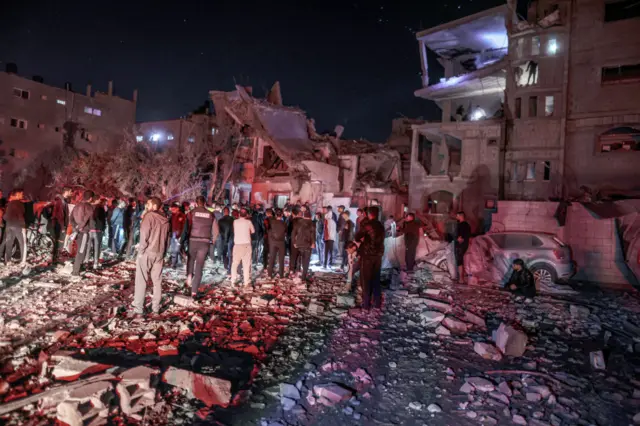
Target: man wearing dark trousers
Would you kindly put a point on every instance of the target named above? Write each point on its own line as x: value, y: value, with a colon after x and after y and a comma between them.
x: 266, y: 219
x: 346, y: 236
x: 225, y: 226
x: 462, y: 244
x: 203, y: 230
x: 294, y: 259
x: 16, y: 226
x: 277, y: 234
x: 371, y: 238
x: 81, y: 223
x: 411, y: 229
x: 60, y: 220
x: 303, y: 239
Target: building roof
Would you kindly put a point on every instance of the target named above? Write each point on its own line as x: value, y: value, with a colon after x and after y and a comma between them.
x: 481, y: 32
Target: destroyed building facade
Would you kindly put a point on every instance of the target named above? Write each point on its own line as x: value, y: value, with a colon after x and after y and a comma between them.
x: 283, y: 159
x: 532, y: 109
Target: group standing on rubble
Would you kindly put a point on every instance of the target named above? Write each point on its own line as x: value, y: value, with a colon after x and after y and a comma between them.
x: 233, y: 235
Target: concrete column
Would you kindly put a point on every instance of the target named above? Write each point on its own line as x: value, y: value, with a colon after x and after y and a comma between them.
x: 110, y: 89
x: 88, y: 90
x: 415, y: 137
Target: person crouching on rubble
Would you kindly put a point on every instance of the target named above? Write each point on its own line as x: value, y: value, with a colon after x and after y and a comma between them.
x: 521, y: 282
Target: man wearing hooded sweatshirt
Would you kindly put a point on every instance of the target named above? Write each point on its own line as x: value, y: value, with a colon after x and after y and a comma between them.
x: 81, y: 222
x: 154, y: 231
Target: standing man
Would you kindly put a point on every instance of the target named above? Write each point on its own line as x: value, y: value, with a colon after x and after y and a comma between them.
x: 15, y: 226
x: 266, y: 220
x: 329, y: 236
x: 217, y: 245
x: 303, y: 239
x: 225, y: 226
x: 462, y: 244
x: 178, y: 222
x: 203, y: 230
x: 371, y: 236
x: 81, y: 222
x: 346, y: 236
x: 360, y: 217
x: 153, y: 243
x: 257, y: 237
x: 294, y: 256
x: 339, y: 227
x: 60, y: 219
x: 277, y: 235
x: 117, y: 225
x: 242, y: 230
x: 319, y: 222
x: 412, y: 232
x: 96, y: 231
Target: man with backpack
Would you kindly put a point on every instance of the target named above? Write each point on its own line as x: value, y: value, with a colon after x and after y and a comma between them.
x: 203, y: 231
x: 277, y: 235
x: 303, y: 239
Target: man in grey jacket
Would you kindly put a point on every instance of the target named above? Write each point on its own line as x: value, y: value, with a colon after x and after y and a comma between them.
x: 81, y: 222
x: 154, y: 232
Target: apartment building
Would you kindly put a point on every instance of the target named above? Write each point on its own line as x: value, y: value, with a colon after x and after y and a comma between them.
x: 37, y: 120
x: 192, y: 129
x: 534, y: 107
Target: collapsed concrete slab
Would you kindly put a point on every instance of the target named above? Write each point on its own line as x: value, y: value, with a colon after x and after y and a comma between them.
x: 70, y: 369
x: 331, y: 394
x: 210, y: 390
x: 510, y: 341
x: 87, y: 405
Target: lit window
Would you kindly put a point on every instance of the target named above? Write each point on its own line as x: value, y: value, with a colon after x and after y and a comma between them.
x: 548, y: 105
x: 20, y: 124
x: 519, y: 47
x: 214, y: 131
x: 155, y: 137
x: 139, y: 138
x: 191, y: 138
x: 61, y: 102
x: 19, y: 93
x: 531, y: 171
x: 547, y: 171
x: 169, y: 137
x: 535, y: 45
x: 552, y: 46
x: 97, y: 112
x: 88, y: 110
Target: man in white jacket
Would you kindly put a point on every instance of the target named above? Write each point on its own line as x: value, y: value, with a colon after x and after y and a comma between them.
x: 330, y: 232
x: 242, y: 230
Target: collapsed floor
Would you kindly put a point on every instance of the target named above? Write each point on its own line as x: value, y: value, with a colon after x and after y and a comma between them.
x: 286, y: 355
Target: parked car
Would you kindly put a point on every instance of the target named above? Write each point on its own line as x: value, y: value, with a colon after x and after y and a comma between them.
x: 546, y: 255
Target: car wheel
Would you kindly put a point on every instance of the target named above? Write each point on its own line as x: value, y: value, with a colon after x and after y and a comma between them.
x: 544, y: 274
x: 443, y: 265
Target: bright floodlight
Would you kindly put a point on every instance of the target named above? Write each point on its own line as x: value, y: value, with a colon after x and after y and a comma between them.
x: 155, y: 137
x: 552, y: 47
x: 478, y: 114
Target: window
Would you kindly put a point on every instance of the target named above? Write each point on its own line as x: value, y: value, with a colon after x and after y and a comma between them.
x: 552, y: 46
x: 57, y: 129
x: 548, y: 105
x: 93, y: 111
x: 43, y: 97
x: 214, y: 131
x: 88, y: 110
x: 139, y: 138
x: 535, y: 45
x: 19, y: 93
x: 20, y: 124
x: 519, y: 47
x: 533, y: 106
x: 518, y: 107
x: 621, y: 74
x: 547, y: 171
x: 617, y: 10
x: 531, y: 171
x: 620, y: 139
x: 514, y: 172
x: 61, y: 102
x: 40, y: 126
x: 191, y: 139
x: 169, y: 136
x: 97, y: 112
x: 526, y: 74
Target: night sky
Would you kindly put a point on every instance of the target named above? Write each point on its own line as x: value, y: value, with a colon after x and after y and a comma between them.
x: 349, y: 63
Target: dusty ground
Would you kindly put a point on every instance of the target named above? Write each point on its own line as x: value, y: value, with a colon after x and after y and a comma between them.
x: 278, y: 345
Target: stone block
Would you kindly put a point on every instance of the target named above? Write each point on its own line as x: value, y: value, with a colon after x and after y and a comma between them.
x: 510, y: 341
x: 332, y: 393
x: 86, y: 405
x: 210, y: 390
x: 455, y: 326
x: 487, y: 351
x: 431, y: 318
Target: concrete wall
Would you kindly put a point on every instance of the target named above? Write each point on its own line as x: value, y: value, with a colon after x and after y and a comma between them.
x: 593, y: 241
x: 595, y: 107
x: 46, y: 111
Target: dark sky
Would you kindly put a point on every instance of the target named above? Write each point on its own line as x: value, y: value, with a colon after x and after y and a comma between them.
x: 353, y: 63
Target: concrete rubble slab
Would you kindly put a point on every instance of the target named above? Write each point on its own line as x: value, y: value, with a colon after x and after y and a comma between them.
x: 487, y: 351
x: 510, y: 341
x: 70, y: 369
x: 210, y: 390
x: 331, y: 394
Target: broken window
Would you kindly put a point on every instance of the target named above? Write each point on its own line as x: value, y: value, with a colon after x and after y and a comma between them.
x: 535, y: 46
x: 272, y: 161
x: 552, y: 46
x: 526, y: 74
x: 617, y: 10
x: 518, y: 108
x: 548, y: 105
x: 519, y: 47
x: 279, y: 201
x: 531, y: 171
x: 20, y: 93
x: 547, y: 171
x: 425, y: 151
x: 620, y: 139
x: 533, y: 106
x: 622, y: 73
x: 20, y: 124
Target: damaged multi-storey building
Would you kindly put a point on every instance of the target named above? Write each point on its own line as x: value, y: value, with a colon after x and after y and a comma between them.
x: 536, y: 109
x: 283, y: 159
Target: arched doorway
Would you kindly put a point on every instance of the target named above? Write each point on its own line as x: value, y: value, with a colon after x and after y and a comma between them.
x: 439, y: 203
